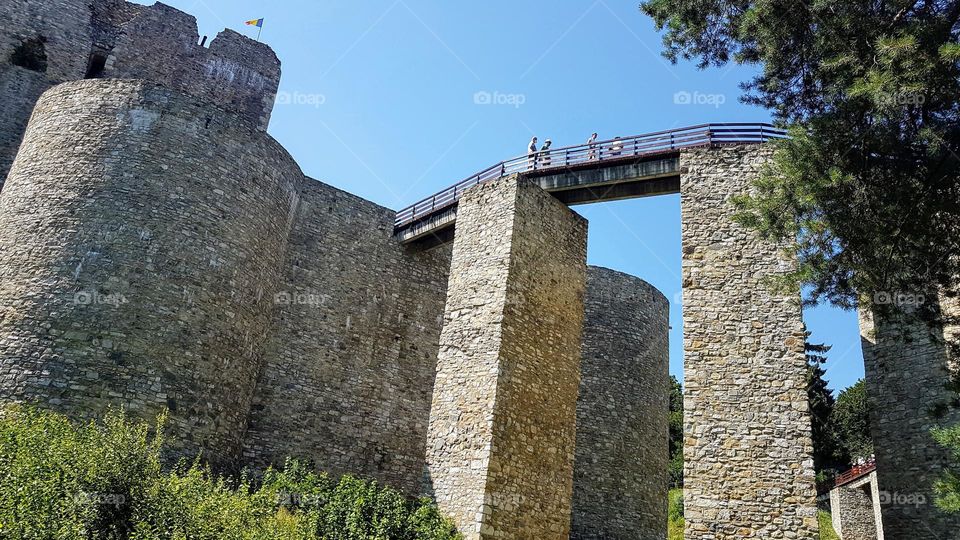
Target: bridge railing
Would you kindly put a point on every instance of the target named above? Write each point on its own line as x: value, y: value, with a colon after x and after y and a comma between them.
x: 856, y: 472
x: 598, y: 152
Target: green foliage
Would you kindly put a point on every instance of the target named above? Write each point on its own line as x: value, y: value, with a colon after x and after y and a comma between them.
x: 675, y: 521
x: 676, y: 433
x: 64, y: 481
x: 851, y: 421
x: 826, y: 451
x: 827, y: 531
x: 867, y: 188
x: 947, y: 489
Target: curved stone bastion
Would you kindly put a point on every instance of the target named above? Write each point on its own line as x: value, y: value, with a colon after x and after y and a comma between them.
x: 142, y: 234
x: 620, y: 475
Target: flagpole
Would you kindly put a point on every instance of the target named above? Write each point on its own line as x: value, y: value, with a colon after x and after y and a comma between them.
x: 260, y: 31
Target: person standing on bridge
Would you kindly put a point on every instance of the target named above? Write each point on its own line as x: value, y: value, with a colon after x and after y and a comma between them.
x: 532, y: 153
x: 592, y: 144
x: 545, y: 153
x: 617, y: 147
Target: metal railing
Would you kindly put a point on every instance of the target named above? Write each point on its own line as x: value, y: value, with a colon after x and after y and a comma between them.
x: 611, y: 150
x: 855, y: 472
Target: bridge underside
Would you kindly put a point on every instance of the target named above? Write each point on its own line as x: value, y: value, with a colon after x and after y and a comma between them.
x: 611, y: 180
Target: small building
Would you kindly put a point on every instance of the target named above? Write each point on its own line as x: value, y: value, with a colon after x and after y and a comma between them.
x: 855, y: 504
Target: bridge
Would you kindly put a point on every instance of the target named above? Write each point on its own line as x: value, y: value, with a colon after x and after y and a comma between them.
x: 621, y: 168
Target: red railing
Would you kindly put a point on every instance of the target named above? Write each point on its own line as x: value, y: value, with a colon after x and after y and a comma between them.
x: 856, y: 472
x: 601, y: 151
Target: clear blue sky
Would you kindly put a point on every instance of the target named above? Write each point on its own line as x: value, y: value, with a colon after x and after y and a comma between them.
x: 383, y: 103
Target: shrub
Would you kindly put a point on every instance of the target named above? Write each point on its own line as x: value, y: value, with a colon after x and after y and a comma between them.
x: 106, y: 481
x: 675, y: 515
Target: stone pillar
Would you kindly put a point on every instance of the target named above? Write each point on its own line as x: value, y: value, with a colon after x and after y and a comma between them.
x: 907, y: 367
x: 748, y: 468
x: 620, y: 479
x: 500, y: 443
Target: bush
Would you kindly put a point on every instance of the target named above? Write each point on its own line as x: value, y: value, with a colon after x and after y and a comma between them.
x: 826, y: 526
x: 675, y: 515
x: 106, y: 481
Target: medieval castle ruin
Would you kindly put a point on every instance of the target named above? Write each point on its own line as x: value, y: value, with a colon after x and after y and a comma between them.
x: 158, y: 250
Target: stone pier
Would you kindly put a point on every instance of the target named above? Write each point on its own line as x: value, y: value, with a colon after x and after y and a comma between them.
x: 747, y: 448
x: 500, y: 445
x: 906, y: 365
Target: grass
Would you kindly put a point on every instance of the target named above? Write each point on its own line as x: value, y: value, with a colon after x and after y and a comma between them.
x: 826, y: 526
x: 675, y: 514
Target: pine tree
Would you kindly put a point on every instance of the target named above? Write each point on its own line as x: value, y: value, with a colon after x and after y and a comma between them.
x: 826, y: 452
x: 851, y: 421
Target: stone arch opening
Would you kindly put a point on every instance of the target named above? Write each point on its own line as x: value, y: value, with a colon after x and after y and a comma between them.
x: 96, y: 65
x: 31, y: 54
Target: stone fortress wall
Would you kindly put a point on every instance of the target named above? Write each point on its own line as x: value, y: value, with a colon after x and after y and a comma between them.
x: 908, y: 464
x: 159, y: 251
x: 142, y: 243
x: 113, y: 38
x: 352, y: 351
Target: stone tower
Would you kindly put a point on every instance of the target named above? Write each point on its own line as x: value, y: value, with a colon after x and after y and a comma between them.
x: 620, y: 476
x: 908, y: 365
x: 141, y: 244
x: 45, y: 43
x: 748, y: 466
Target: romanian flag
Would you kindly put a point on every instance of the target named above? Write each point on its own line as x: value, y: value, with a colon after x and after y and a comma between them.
x: 256, y: 22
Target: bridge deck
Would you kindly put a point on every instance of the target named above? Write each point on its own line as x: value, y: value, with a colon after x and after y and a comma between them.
x: 638, y: 166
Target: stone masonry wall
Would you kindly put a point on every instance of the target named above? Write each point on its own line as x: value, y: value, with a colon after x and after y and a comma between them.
x: 352, y: 353
x: 161, y: 44
x: 853, y: 509
x: 501, y: 438
x: 620, y: 478
x: 141, y: 240
x: 747, y: 449
x: 906, y: 367
x: 65, y: 25
x: 155, y: 43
